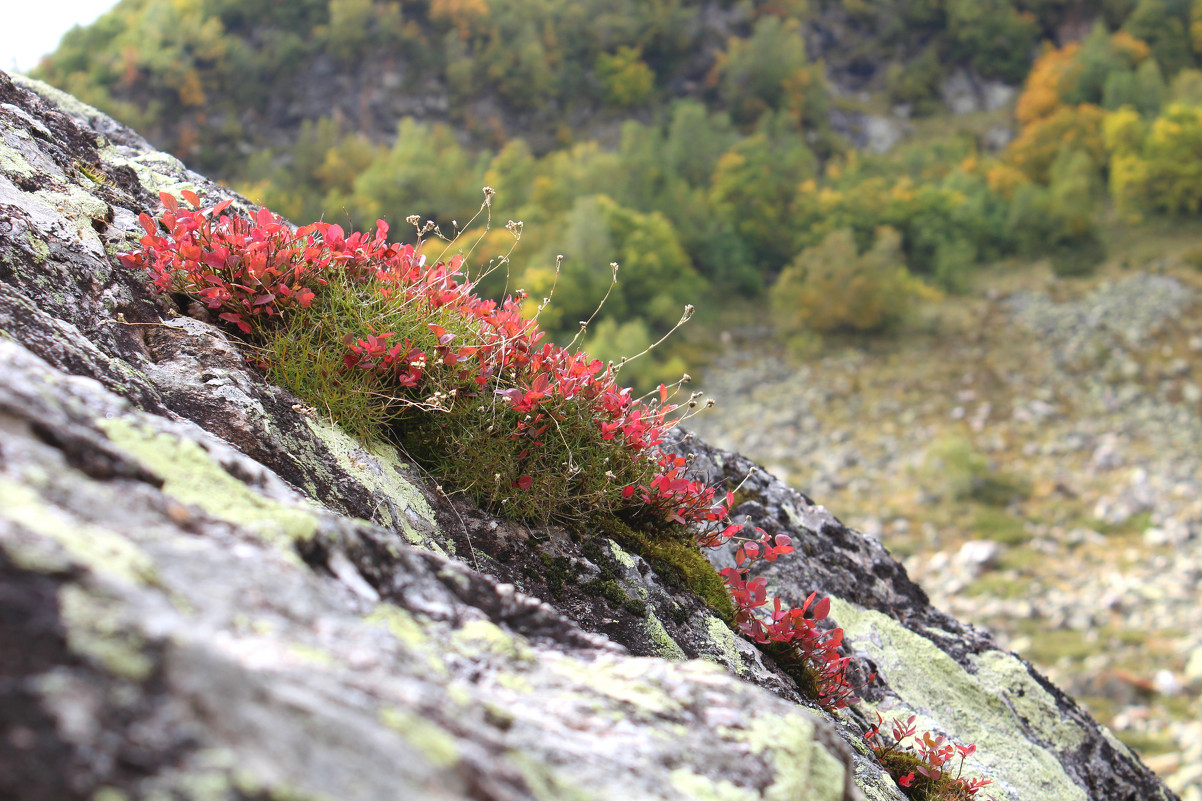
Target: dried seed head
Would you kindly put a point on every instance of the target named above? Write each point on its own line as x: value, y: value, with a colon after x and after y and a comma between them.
x: 413, y: 219
x: 686, y: 378
x: 710, y: 403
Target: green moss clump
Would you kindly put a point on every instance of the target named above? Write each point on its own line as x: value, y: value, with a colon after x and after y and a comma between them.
x: 675, y: 559
x: 612, y: 592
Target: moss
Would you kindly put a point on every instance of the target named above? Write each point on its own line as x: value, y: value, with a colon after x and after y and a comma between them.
x: 677, y: 561
x: 614, y: 595
x: 192, y: 477
x: 558, y: 572
x: 662, y: 641
x: 430, y: 740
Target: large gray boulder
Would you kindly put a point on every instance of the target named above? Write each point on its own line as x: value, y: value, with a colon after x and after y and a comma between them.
x: 208, y: 591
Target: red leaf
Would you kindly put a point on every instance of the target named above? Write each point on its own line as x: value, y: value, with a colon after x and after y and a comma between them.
x: 169, y: 201
x: 525, y: 482
x: 222, y: 206
x: 822, y: 609
x: 147, y: 224
x: 191, y: 197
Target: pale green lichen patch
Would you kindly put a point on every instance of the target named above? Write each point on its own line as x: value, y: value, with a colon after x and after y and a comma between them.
x: 624, y: 559
x: 700, y: 788
x: 39, y: 246
x: 380, y: 471
x: 156, y: 171
x: 12, y: 162
x: 313, y: 656
x: 662, y: 641
x: 992, y: 708
x: 725, y: 643
x: 79, y: 207
x: 95, y: 632
x: 544, y: 782
x: 431, y: 741
x: 625, y: 681
x: 68, y: 103
x: 399, y: 623
x: 191, y: 477
x: 804, y: 769
x: 480, y: 637
x: 97, y: 548
x: 1027, y: 698
x: 407, y: 631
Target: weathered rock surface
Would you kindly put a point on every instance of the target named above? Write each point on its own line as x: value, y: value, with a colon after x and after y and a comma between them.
x: 207, y: 592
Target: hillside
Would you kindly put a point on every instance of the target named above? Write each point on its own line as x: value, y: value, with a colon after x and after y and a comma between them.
x: 208, y: 588
x: 945, y: 254
x: 707, y: 148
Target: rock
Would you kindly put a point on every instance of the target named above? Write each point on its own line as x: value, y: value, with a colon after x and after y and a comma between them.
x: 1193, y: 667
x: 965, y: 93
x: 977, y: 556
x: 201, y: 586
x: 882, y: 134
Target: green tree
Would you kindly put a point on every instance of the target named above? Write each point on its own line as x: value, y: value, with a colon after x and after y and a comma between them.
x: 626, y: 80
x: 831, y: 287
x: 426, y: 172
x: 1152, y: 22
x: 754, y: 186
x: 992, y: 36
x: 769, y: 70
x: 655, y: 277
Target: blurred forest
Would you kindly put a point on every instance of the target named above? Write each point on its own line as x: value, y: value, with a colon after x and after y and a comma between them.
x: 715, y: 150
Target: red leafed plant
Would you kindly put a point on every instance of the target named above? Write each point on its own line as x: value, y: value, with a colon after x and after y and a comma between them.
x: 390, y: 344
x: 793, y: 632
x: 923, y: 769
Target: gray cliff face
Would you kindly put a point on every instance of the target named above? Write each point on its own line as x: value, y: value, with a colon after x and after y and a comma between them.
x: 206, y: 592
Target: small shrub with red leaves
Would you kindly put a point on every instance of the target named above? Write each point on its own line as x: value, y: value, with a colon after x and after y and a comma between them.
x: 923, y: 769
x: 394, y: 346
x: 387, y: 342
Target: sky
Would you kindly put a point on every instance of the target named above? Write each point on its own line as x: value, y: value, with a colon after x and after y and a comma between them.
x: 32, y: 28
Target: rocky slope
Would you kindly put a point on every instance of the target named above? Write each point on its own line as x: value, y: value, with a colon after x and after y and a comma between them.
x: 206, y: 591
x: 1072, y: 406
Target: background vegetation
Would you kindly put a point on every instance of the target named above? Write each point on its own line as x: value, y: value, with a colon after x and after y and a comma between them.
x: 704, y: 147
